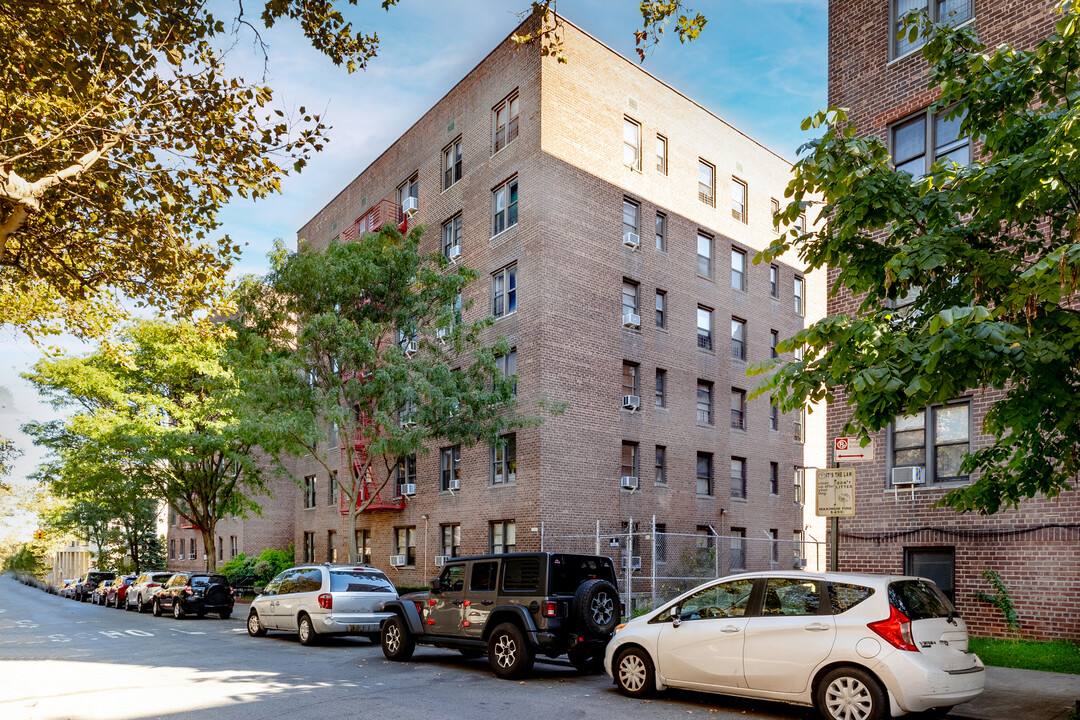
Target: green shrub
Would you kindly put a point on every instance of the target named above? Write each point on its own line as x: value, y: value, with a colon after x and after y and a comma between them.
x: 240, y: 571
x: 1001, y: 600
x: 244, y: 571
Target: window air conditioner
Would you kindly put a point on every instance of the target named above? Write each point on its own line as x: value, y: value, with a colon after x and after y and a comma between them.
x: 629, y: 482
x: 800, y: 563
x: 408, y: 424
x: 631, y: 240
x: 454, y: 485
x: 912, y: 475
x: 397, y: 561
x: 631, y: 320
x: 635, y: 562
x: 440, y: 560
x: 631, y: 402
x: 410, y: 348
x: 454, y: 252
x: 408, y: 489
x: 410, y: 206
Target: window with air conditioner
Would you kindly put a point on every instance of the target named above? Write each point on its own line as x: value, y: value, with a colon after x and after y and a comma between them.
x: 935, y: 439
x: 738, y: 199
x: 405, y: 476
x: 706, y: 183
x: 451, y: 232
x: 630, y: 304
x: 405, y: 544
x: 631, y: 399
x: 450, y: 468
x: 631, y: 224
x: 629, y: 465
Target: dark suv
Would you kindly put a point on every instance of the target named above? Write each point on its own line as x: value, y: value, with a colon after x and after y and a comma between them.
x: 511, y: 607
x: 85, y: 587
x: 194, y: 593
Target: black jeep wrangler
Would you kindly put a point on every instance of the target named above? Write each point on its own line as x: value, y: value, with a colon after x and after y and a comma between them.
x: 511, y: 607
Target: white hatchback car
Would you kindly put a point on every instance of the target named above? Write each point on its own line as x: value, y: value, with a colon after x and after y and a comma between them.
x: 318, y: 600
x: 858, y: 647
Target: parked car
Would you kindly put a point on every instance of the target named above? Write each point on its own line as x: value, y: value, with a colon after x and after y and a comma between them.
x: 320, y: 600
x: 190, y: 593
x: 100, y: 592
x: 84, y: 588
x: 67, y: 588
x: 118, y: 591
x: 511, y: 607
x: 858, y: 647
x: 140, y: 594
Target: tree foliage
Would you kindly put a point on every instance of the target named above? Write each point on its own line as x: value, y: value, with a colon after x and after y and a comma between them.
x: 364, y: 343
x: 985, y: 257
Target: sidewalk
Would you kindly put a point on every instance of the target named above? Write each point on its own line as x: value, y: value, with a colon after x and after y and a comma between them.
x: 1022, y: 695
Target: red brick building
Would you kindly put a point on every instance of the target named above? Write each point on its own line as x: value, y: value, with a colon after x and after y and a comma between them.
x: 614, y: 222
x: 883, y: 81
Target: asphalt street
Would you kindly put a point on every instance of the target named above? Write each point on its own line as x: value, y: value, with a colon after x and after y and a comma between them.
x: 63, y: 659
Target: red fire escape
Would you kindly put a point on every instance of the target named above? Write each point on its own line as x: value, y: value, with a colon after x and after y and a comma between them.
x: 382, y: 212
x: 386, y: 498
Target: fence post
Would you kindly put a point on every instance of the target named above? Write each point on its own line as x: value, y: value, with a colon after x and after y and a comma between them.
x: 652, y: 581
x: 629, y: 555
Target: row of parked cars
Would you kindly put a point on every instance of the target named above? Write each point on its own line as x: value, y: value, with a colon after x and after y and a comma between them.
x: 160, y: 592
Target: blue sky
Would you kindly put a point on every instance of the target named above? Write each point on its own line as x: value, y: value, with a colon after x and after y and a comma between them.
x: 759, y: 64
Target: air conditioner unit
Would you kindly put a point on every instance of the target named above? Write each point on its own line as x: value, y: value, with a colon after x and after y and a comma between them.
x: 440, y: 560
x: 408, y: 489
x: 454, y: 485
x: 913, y: 475
x: 629, y: 482
x: 454, y: 252
x: 410, y: 348
x: 631, y: 402
x: 410, y: 206
x: 800, y: 563
x: 397, y: 561
x: 631, y: 320
x: 635, y: 562
x: 631, y: 240
x: 408, y: 424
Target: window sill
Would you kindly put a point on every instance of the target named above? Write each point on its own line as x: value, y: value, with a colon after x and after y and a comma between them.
x: 705, y: 426
x: 497, y: 486
x: 706, y: 278
x: 740, y: 500
x: 706, y: 497
x: 503, y: 148
x: 451, y: 186
x: 504, y: 315
x: 739, y: 429
x: 501, y: 233
x: 707, y: 352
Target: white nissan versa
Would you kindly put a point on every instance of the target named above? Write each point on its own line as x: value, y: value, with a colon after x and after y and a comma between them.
x: 858, y: 647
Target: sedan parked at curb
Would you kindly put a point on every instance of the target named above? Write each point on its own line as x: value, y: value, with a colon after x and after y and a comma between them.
x: 857, y: 647
x: 189, y: 593
x: 101, y: 592
x: 320, y: 600
x: 140, y: 595
x: 117, y: 592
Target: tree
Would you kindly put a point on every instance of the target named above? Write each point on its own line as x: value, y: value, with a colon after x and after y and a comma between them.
x: 365, y: 342
x: 983, y: 258
x: 9, y: 453
x: 163, y: 411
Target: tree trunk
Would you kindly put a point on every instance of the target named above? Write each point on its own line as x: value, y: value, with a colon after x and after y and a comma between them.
x: 211, y: 549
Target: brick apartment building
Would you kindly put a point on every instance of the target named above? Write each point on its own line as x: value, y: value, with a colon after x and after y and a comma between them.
x: 613, y: 221
x: 883, y: 81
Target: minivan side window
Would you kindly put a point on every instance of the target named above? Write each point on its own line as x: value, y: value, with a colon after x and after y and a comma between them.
x: 483, y: 576
x: 521, y: 574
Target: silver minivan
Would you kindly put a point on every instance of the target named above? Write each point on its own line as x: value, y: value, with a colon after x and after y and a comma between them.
x: 318, y: 600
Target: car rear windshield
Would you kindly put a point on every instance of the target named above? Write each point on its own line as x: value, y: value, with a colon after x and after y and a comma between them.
x: 209, y: 580
x: 359, y: 581
x: 163, y: 577
x: 919, y: 599
x: 99, y: 576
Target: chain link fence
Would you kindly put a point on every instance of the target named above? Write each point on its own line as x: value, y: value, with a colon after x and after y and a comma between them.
x: 654, y: 567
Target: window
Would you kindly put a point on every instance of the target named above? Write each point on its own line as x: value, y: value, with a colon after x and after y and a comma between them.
x: 503, y: 537
x: 331, y: 546
x: 661, y: 154
x: 631, y: 138
x: 774, y: 281
x: 506, y: 121
x: 800, y: 308
x: 504, y: 206
x: 800, y: 425
x: 704, y: 474
x: 450, y: 467
x: 452, y: 164
x: 405, y: 473
x: 660, y: 532
x: 405, y: 544
x: 775, y: 204
x: 774, y: 546
x: 220, y: 548
x: 774, y: 478
x: 363, y: 546
x: 706, y: 183
x: 660, y: 475
x: 172, y: 549
x: 631, y: 215
x: 504, y: 291
x: 309, y: 547
x: 408, y: 189
x: 309, y: 492
x: 738, y: 477
x: 704, y: 402
x: 738, y: 199
x: 661, y: 309
x: 952, y: 12
x: 774, y: 340
x: 451, y: 540
x: 504, y: 460
x: 629, y: 459
x: 738, y: 338
x: 738, y: 269
x: 194, y: 553
x: 629, y: 298
x: 704, y: 255
x: 332, y: 489
x: 630, y: 373
x: 928, y: 138
x: 738, y: 409
x: 507, y: 365
x: 451, y: 237
x: 233, y: 551
x: 774, y: 414
x: 800, y: 485
x: 704, y: 328
x: 738, y: 548
x: 661, y: 387
x: 937, y: 438
x: 936, y: 563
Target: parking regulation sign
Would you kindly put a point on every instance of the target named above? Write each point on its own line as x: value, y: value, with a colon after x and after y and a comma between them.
x: 848, y: 449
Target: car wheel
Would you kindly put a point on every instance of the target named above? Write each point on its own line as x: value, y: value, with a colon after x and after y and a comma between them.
x: 633, y: 671
x: 156, y: 609
x: 225, y: 615
x: 255, y: 628
x: 305, y: 630
x: 200, y: 615
x: 140, y: 606
x: 596, y: 605
x: 177, y: 610
x: 469, y: 654
x: 850, y: 693
x: 397, y: 643
x: 509, y: 655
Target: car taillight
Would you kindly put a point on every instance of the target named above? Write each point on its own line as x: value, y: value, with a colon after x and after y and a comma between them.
x: 326, y: 601
x: 896, y: 630
x: 187, y: 590
x: 551, y: 609
x: 153, y: 584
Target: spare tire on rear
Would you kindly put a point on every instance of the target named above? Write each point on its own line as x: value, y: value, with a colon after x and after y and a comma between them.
x: 595, y: 606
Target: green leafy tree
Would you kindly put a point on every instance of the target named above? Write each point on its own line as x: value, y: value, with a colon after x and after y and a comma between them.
x: 163, y: 407
x: 365, y: 342
x: 985, y: 257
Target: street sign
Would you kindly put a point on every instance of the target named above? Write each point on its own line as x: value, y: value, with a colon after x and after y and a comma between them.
x: 836, y: 492
x: 847, y: 449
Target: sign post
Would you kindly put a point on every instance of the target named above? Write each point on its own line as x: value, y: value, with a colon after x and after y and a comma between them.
x: 835, y: 499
